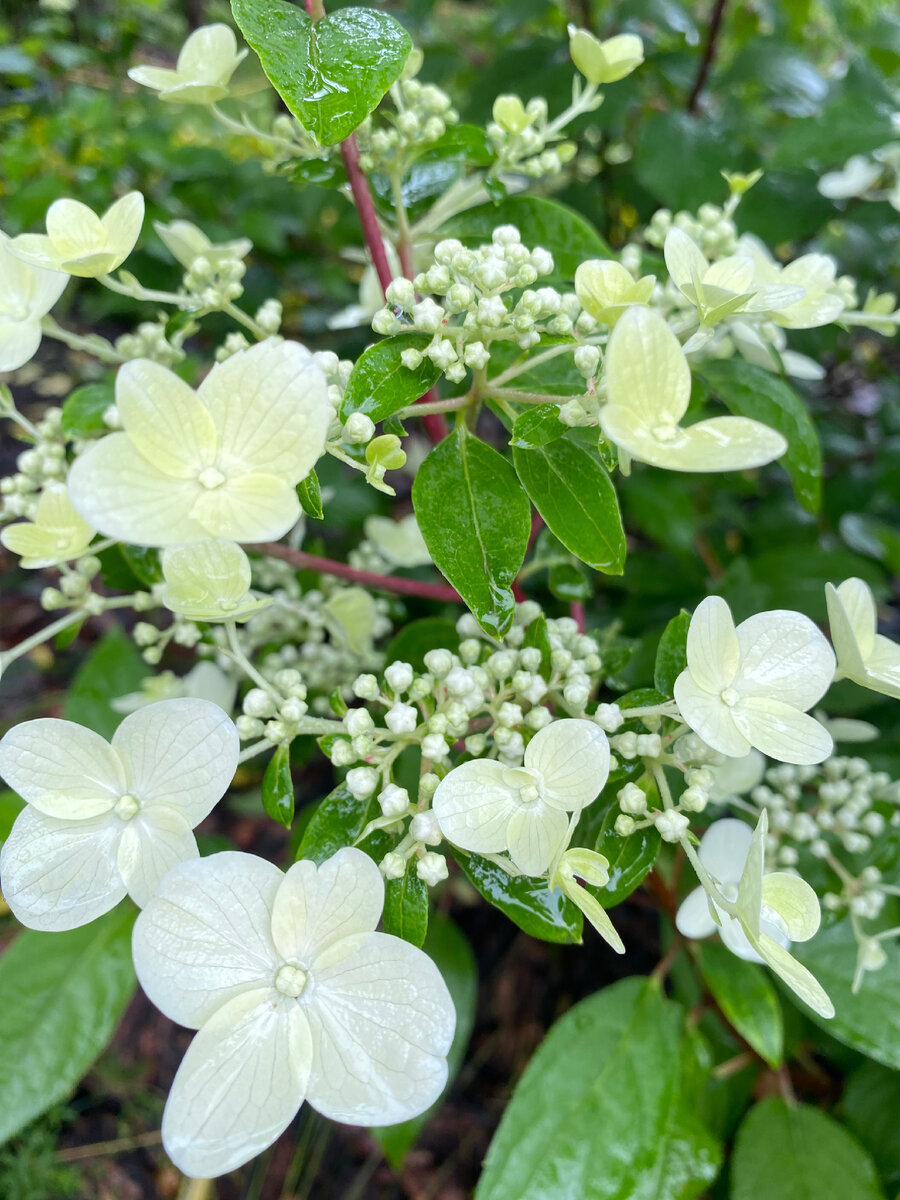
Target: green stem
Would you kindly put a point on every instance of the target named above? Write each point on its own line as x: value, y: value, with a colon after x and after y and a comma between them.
x: 57, y: 626
x: 96, y: 345
x: 137, y: 292
x: 242, y: 318
x: 238, y: 655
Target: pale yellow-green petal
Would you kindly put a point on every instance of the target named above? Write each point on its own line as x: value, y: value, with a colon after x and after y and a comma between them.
x: 595, y: 913
x: 74, y: 229
x: 713, y: 653
x: 36, y: 249
x: 784, y: 656
x: 749, y: 897
x: 122, y: 223
x: 535, y: 835
x: 158, y: 78
x: 708, y: 716
x: 795, y: 902
x: 248, y: 508
x: 734, y: 274
x: 684, y: 259
x: 801, y: 982
x: 647, y: 374
x: 782, y: 731
x: 164, y: 418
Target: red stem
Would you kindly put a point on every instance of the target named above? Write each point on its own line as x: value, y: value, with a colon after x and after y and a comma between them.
x: 383, y: 583
x: 576, y: 612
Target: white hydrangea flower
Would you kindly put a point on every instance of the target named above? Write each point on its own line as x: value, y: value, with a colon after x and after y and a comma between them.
x: 605, y: 289
x: 648, y: 386
x: 856, y: 176
x: 79, y: 242
x: 185, y: 242
x: 102, y: 820
x: 206, y: 62
x: 56, y: 535
x: 27, y: 293
x: 864, y: 655
x: 295, y: 998
x: 752, y: 685
x: 773, y: 910
x: 723, y: 287
x: 223, y: 461
x: 488, y: 808
x: 205, y: 681
x: 352, y: 617
x: 605, y: 61
x: 811, y: 274
x: 736, y: 776
x: 209, y: 581
x: 400, y: 542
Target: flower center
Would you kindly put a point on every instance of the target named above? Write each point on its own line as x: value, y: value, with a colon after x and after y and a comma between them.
x: 529, y: 793
x: 729, y: 697
x: 127, y: 806
x: 210, y: 477
x: 290, y: 980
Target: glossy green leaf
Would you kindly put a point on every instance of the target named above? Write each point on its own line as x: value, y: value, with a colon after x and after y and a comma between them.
x: 576, y: 498
x: 113, y: 668
x: 630, y: 858
x: 10, y: 807
x: 671, y: 654
x: 541, y: 222
x: 537, y: 427
x: 337, y: 822
x: 475, y: 520
x: 278, y: 787
x: 537, y: 635
x: 379, y: 383
x: 869, y: 1108
x: 751, y: 391
x: 529, y: 903
x: 447, y: 946
x: 406, y: 906
x: 61, y: 995
x: 746, y: 996
x: 599, y: 1114
x: 414, y: 641
x: 310, y: 496
x: 784, y: 1152
x: 83, y: 409
x: 868, y: 1020
x: 330, y: 74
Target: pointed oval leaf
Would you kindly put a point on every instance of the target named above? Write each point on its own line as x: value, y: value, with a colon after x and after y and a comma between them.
x: 380, y: 384
x: 529, y: 903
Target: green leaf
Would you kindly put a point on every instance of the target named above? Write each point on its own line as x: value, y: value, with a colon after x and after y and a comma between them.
x: 751, y: 391
x: 310, y: 496
x: 113, y: 668
x: 475, y: 520
x: 869, y: 1108
x: 537, y: 635
x: 10, y: 807
x: 869, y: 1021
x: 630, y: 858
x: 379, y: 383
x: 278, y: 787
x: 598, y: 1114
x: 537, y: 427
x: 414, y: 641
x: 529, y: 903
x: 746, y: 996
x: 82, y: 411
x: 61, y: 995
x: 447, y: 945
x: 671, y: 654
x: 337, y: 822
x: 565, y: 233
x: 330, y: 74
x: 784, y: 1152
x: 576, y: 498
x: 406, y: 906
x: 668, y: 140
x: 143, y: 562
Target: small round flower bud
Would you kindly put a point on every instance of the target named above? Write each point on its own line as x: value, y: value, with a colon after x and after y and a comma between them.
x: 439, y: 662
x: 357, y: 721
x: 248, y: 727
x: 459, y: 681
x: 402, y: 293
x: 432, y: 868
x: 609, y: 717
x: 398, y: 675
x: 394, y: 801
x: 632, y: 799
x: 476, y: 744
x: 434, y: 747
x: 649, y: 745
x: 424, y: 827
x: 393, y: 866
x: 694, y: 799
x: 293, y: 710
x: 626, y: 744
x: 366, y: 687
x: 401, y: 718
x: 359, y: 428
x: 671, y: 825
x: 624, y: 825
x: 538, y: 718
x: 342, y: 754
x: 361, y: 782
x: 428, y: 785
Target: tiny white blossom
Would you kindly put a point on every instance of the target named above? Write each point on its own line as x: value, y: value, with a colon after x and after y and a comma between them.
x: 223, y: 461
x: 772, y: 910
x: 56, y: 535
x: 296, y: 998
x: 206, y: 62
x: 856, y: 176
x: 27, y: 293
x: 648, y: 384
x: 486, y: 807
x: 79, y: 242
x: 102, y: 819
x: 751, y: 685
x: 209, y: 581
x: 863, y: 654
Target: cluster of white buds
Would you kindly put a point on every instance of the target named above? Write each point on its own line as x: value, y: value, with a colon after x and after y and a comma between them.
x: 421, y: 115
x: 215, y: 282
x: 711, y: 227
x: 234, y: 343
x: 337, y: 374
x: 275, y: 712
x: 149, y: 341
x: 523, y: 139
x: 638, y: 810
x: 472, y: 311
x: 42, y: 463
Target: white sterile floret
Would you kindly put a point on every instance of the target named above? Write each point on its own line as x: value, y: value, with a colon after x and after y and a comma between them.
x: 400, y: 542
x: 605, y: 61
x: 206, y: 62
x: 863, y: 654
x: 752, y: 685
x: 102, y: 820
x: 771, y: 910
x: 209, y: 581
x: 296, y: 998
x: 27, y: 293
x: 856, y: 176
x: 488, y: 808
x: 56, y: 535
x: 79, y: 242
x: 606, y: 289
x: 220, y: 462
x: 729, y: 285
x: 185, y: 242
x: 812, y: 274
x: 648, y: 383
